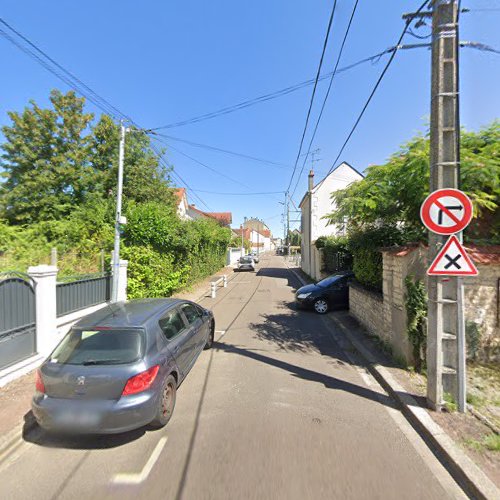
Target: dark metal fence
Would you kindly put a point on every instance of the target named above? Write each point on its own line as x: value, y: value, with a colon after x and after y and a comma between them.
x: 337, y: 261
x: 79, y: 292
x: 17, y: 318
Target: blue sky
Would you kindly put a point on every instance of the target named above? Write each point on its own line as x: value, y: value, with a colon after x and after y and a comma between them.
x: 161, y: 62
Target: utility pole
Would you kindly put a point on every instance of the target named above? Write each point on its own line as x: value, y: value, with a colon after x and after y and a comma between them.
x: 242, y: 246
x: 445, y: 327
x: 118, y: 220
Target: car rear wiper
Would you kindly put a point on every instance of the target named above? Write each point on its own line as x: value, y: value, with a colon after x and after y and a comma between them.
x: 101, y: 362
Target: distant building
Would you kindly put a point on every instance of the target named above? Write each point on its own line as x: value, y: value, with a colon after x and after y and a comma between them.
x: 223, y: 218
x: 315, y: 204
x: 182, y: 203
x: 260, y: 241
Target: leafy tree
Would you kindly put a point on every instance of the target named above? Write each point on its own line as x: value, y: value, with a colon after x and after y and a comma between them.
x: 144, y: 180
x: 45, y: 160
x: 391, y: 194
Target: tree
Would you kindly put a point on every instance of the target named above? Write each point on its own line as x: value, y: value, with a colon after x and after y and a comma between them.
x: 55, y: 160
x: 45, y: 160
x: 391, y: 194
x: 145, y: 179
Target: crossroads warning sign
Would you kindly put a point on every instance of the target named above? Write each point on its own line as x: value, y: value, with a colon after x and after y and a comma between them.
x: 446, y: 211
x: 452, y: 260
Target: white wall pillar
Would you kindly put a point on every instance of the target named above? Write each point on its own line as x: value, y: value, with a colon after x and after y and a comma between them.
x: 122, y: 281
x: 45, y: 278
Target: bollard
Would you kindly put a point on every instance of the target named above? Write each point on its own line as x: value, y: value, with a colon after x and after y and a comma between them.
x: 224, y: 280
x: 212, y: 289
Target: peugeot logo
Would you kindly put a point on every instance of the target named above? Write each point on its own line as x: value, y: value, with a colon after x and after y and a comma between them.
x: 80, y: 380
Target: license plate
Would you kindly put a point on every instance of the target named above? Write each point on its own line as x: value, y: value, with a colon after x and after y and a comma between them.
x: 70, y: 418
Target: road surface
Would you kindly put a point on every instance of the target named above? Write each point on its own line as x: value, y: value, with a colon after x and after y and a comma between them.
x: 280, y: 408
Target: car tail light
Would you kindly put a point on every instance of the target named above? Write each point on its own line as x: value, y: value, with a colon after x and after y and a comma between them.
x: 39, y: 386
x: 141, y: 381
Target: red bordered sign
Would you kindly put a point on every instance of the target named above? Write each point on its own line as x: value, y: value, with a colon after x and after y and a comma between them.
x: 452, y: 260
x: 446, y: 211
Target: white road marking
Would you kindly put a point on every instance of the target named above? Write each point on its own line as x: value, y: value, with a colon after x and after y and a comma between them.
x: 132, y: 478
x: 222, y: 333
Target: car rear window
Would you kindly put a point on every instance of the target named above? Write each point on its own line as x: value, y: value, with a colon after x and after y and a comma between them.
x: 99, y: 347
x: 246, y: 260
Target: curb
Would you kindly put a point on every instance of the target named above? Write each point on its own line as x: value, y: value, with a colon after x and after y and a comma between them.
x: 467, y: 474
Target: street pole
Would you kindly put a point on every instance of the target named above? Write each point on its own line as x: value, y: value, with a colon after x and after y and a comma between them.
x: 446, y: 331
x: 288, y: 226
x: 242, y: 247
x: 116, y: 252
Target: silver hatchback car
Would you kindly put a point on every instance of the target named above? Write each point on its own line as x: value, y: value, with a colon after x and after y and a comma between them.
x: 119, y: 368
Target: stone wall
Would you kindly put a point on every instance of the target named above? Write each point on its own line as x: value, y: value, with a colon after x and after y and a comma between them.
x: 366, y: 306
x: 482, y: 308
x: 385, y: 315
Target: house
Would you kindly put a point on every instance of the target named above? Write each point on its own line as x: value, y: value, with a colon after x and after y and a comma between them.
x: 315, y: 204
x: 182, y: 203
x: 260, y: 240
x: 223, y: 218
x: 186, y: 211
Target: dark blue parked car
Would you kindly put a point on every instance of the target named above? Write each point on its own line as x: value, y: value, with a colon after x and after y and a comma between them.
x: 119, y: 368
x: 327, y: 294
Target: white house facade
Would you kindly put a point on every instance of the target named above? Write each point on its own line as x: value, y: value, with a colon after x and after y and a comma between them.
x: 315, y: 205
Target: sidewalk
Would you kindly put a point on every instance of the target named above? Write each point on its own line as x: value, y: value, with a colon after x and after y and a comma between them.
x: 448, y: 434
x: 15, y: 397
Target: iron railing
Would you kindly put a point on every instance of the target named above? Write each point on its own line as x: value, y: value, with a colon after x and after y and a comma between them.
x: 79, y: 292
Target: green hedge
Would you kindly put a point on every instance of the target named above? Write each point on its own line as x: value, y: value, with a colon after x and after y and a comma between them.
x: 336, y: 254
x: 365, y: 247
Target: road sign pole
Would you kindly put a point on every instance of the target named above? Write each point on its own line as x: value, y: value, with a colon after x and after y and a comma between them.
x: 445, y: 348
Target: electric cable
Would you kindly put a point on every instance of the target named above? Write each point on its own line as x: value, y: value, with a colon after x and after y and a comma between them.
x: 325, y: 99
x: 318, y: 73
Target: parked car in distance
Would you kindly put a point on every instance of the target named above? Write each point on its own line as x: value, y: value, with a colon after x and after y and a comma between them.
x: 119, y: 368
x: 255, y: 257
x: 246, y: 263
x: 329, y: 293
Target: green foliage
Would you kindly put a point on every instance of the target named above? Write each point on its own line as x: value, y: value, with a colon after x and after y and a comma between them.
x: 336, y: 254
x: 392, y: 193
x: 54, y: 160
x: 295, y: 238
x: 365, y: 248
x: 178, y: 252
x: 45, y: 160
x: 416, y: 312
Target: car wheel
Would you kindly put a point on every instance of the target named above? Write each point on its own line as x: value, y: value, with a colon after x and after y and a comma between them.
x: 211, y: 335
x: 321, y: 306
x: 166, y: 403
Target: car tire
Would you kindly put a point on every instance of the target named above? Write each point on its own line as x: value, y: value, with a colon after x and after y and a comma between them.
x: 321, y: 306
x: 166, y: 403
x: 211, y: 335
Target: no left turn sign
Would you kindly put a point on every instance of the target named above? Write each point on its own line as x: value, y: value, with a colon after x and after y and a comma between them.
x: 446, y: 211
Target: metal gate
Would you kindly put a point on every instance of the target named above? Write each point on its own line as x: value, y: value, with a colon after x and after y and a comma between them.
x: 17, y: 318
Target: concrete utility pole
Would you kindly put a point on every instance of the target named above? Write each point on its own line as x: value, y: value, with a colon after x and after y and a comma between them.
x: 446, y: 329
x: 242, y: 246
x: 288, y: 225
x: 118, y: 220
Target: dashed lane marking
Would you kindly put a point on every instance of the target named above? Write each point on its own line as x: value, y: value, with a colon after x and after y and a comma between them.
x: 134, y: 478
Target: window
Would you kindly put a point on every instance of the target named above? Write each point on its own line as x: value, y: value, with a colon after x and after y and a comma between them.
x: 99, y: 347
x: 191, y: 313
x: 172, y: 324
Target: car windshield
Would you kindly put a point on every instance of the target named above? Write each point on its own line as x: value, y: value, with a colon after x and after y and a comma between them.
x: 99, y: 347
x: 328, y: 281
x: 245, y: 260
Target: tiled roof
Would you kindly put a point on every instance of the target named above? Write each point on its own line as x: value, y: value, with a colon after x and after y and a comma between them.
x: 225, y: 218
x: 179, y: 194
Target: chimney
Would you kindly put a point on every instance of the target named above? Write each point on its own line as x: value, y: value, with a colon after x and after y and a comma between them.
x: 311, y: 180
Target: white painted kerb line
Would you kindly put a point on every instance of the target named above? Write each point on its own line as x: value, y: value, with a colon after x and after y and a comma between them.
x: 127, y: 478
x: 222, y: 333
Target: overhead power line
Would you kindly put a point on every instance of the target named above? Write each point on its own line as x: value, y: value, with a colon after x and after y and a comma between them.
x: 238, y: 194
x: 213, y: 148
x: 313, y: 94
x: 325, y: 99
x: 274, y: 95
x: 374, y: 90
x: 42, y: 58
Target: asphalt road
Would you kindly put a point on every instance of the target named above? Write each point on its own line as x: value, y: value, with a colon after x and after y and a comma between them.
x: 279, y: 408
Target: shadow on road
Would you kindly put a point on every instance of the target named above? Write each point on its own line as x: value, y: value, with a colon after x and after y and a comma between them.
x: 280, y: 273
x: 303, y: 373
x: 32, y: 433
